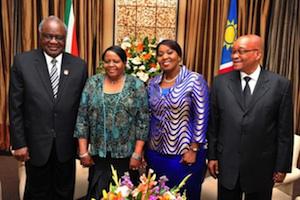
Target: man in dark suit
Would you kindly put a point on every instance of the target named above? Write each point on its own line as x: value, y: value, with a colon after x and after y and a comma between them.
x: 45, y: 89
x: 251, y: 127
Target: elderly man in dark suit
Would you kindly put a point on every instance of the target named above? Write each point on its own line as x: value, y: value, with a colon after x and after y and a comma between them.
x: 250, y: 133
x: 45, y: 89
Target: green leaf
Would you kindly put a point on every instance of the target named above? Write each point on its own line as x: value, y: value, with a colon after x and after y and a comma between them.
x: 115, y: 176
x: 181, y: 184
x: 153, y: 40
x: 139, y: 196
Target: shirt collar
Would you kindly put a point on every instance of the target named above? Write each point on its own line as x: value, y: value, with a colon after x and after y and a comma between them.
x: 49, y: 58
x: 254, y: 76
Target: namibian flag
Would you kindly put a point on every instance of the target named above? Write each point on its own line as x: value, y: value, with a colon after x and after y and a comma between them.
x: 229, y: 38
x: 71, y: 40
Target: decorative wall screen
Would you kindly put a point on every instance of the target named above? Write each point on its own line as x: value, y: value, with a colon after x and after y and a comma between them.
x: 141, y: 18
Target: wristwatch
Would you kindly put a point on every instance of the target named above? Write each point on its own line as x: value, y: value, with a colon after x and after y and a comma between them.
x: 194, y: 149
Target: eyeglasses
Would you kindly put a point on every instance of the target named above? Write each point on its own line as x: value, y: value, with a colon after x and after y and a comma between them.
x: 243, y: 51
x: 49, y: 37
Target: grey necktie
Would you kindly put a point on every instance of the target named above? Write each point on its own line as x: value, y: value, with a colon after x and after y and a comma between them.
x: 247, y: 92
x: 54, y: 78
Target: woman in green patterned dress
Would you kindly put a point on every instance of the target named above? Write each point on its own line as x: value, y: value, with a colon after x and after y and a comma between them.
x: 112, y: 123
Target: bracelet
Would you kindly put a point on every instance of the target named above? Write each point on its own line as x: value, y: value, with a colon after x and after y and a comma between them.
x: 83, y: 155
x: 136, y: 156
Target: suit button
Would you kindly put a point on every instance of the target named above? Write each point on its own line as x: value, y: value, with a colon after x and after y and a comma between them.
x: 53, y: 132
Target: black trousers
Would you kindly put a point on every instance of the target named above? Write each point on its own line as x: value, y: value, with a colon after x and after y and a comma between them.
x: 53, y: 181
x: 100, y: 175
x: 236, y: 193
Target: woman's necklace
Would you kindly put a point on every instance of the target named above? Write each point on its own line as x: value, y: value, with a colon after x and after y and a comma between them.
x: 113, y: 85
x: 114, y: 110
x: 113, y: 82
x: 170, y: 80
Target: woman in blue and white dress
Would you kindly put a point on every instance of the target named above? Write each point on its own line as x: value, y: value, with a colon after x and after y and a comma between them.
x: 178, y: 101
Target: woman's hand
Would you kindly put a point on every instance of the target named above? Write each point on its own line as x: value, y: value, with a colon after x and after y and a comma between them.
x: 85, y: 158
x: 189, y: 157
x: 135, y: 161
x: 135, y: 164
x: 87, y: 161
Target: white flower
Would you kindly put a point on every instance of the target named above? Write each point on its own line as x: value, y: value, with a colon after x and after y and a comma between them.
x: 128, y: 65
x: 124, y: 190
x: 152, y: 46
x: 142, y: 75
x: 136, y: 61
x: 142, y: 67
x: 125, y: 45
x: 154, y: 69
x: 135, y: 68
x: 126, y: 39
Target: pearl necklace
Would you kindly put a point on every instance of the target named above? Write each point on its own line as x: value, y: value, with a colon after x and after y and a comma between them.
x: 171, y: 80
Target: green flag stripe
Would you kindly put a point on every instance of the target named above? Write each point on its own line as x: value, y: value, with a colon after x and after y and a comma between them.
x: 67, y: 11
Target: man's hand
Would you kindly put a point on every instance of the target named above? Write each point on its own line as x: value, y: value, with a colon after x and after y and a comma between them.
x: 278, y: 177
x: 213, y: 167
x: 21, y: 154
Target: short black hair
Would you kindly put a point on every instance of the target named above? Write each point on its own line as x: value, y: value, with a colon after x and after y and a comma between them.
x: 171, y: 44
x: 118, y: 50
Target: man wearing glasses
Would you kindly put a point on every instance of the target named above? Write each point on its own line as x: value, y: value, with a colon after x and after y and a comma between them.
x: 251, y: 127
x: 45, y: 89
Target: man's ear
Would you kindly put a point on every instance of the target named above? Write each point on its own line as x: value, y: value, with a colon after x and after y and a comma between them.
x: 258, y: 55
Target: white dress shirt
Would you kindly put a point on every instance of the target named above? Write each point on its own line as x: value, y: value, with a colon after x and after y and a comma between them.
x: 252, y: 82
x: 49, y: 64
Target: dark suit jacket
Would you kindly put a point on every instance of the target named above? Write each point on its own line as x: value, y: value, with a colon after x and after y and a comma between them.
x: 251, y: 142
x: 36, y: 118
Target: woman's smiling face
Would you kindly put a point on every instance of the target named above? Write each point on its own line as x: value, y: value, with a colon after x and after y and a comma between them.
x: 168, y: 58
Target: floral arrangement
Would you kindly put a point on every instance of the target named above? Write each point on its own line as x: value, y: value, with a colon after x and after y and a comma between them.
x: 148, y: 189
x: 141, y: 58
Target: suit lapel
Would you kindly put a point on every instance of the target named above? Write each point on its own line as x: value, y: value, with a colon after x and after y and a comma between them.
x: 260, y: 89
x: 236, y: 88
x: 41, y: 67
x: 64, y: 74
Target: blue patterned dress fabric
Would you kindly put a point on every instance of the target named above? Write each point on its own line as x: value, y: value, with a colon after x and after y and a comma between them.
x: 125, y: 120
x: 178, y: 118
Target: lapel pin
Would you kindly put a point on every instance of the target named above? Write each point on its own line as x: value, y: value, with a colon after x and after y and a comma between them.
x: 66, y: 72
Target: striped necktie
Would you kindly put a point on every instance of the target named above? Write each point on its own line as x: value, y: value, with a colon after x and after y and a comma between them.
x: 54, y: 78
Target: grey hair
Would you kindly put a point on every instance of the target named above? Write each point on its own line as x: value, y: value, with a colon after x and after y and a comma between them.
x: 51, y: 18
